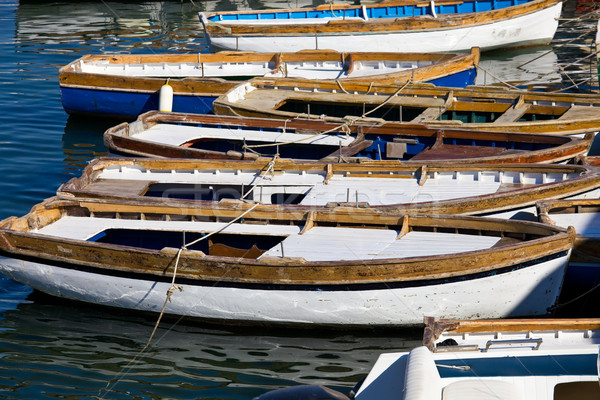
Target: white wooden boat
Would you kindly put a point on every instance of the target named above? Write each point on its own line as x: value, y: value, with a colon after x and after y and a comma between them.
x: 475, y: 107
x: 181, y: 135
x: 500, y: 359
x: 128, y: 85
x: 241, y: 263
x: 426, y: 188
x: 397, y: 26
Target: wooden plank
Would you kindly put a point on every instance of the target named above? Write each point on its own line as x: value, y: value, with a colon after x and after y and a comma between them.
x: 435, y: 113
x: 515, y: 112
x: 125, y: 187
x: 581, y: 112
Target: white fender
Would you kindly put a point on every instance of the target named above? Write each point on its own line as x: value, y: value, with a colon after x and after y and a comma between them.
x: 165, y: 100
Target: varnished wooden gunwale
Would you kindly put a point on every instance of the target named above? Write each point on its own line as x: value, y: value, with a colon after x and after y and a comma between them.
x: 119, y: 140
x: 71, y: 75
x: 376, y: 25
x: 260, y: 100
x: 533, y: 241
x: 517, y: 197
x: 435, y: 327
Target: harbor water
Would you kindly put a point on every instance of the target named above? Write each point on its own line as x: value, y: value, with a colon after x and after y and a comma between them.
x: 53, y: 349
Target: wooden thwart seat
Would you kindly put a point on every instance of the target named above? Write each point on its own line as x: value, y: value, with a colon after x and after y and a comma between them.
x: 514, y: 112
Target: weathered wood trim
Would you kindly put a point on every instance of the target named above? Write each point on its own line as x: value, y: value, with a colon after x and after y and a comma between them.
x: 435, y: 327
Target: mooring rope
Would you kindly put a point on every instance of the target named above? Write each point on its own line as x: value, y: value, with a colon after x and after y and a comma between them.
x: 495, y: 77
x: 270, y: 167
x: 575, y: 299
x: 172, y: 289
x: 184, y: 247
x: 401, y: 88
x: 345, y: 127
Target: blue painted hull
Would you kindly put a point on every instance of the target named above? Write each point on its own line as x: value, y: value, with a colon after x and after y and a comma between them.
x: 130, y: 104
x: 460, y: 79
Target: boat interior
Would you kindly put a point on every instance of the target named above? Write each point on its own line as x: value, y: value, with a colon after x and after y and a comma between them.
x: 317, y: 186
x: 312, y: 236
x: 521, y: 373
x: 369, y: 143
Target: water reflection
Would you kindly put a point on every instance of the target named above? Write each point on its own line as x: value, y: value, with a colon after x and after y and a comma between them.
x: 82, y: 142
x: 147, y: 27
x: 70, y: 348
x: 519, y: 66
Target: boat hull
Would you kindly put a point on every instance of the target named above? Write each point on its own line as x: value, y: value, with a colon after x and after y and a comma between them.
x: 520, y: 290
x: 129, y: 103
x: 534, y: 28
x: 118, y: 104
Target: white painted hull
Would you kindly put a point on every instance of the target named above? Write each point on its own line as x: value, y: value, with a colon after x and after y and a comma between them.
x: 531, y: 29
x: 526, y: 291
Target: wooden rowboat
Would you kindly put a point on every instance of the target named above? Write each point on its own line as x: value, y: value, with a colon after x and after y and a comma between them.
x: 428, y: 188
x: 397, y: 26
x: 245, y: 264
x: 581, y: 291
x: 475, y: 107
x: 535, y: 359
x: 178, y: 135
x: 128, y: 85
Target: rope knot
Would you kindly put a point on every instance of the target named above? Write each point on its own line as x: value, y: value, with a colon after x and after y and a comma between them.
x: 172, y: 289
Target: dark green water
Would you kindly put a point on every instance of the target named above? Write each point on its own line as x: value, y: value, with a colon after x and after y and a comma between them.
x: 55, y: 350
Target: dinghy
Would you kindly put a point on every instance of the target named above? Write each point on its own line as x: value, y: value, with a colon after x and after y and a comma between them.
x: 396, y: 26
x: 179, y: 135
x: 241, y: 263
x: 536, y: 359
x: 129, y: 85
x: 428, y: 188
x: 475, y: 107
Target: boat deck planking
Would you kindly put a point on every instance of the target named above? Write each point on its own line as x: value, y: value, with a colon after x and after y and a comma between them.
x: 71, y: 227
x: 331, y: 244
x: 179, y: 135
x: 372, y: 189
x: 314, y: 244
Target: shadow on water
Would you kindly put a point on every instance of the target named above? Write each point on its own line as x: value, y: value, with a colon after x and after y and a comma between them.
x: 70, y: 348
x: 82, y: 141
